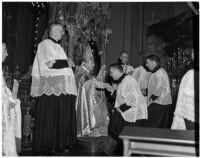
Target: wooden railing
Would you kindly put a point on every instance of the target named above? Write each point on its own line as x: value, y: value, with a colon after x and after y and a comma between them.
x: 158, y: 142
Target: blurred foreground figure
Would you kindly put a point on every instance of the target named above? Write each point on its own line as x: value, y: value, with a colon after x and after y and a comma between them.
x: 187, y: 107
x: 11, y: 119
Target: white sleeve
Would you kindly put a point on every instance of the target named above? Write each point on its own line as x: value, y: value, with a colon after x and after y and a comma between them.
x: 178, y: 123
x: 161, y: 88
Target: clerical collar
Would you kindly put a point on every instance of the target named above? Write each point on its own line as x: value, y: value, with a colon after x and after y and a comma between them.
x: 156, y: 69
x: 58, y: 42
x: 119, y: 62
x: 146, y: 68
x: 121, y: 78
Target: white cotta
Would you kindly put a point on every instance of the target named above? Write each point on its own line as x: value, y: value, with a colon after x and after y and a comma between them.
x: 51, y: 81
x: 141, y: 76
x: 185, y: 106
x: 129, y: 93
x: 129, y: 69
x: 159, y: 86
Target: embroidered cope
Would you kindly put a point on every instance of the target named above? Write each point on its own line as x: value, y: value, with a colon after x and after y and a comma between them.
x: 91, y: 110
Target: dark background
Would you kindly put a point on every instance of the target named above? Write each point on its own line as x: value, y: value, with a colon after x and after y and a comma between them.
x: 128, y: 22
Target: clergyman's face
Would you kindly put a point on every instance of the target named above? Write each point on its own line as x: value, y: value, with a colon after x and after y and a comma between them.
x: 124, y: 58
x: 90, y: 65
x: 58, y: 31
x: 114, y: 73
x: 150, y: 64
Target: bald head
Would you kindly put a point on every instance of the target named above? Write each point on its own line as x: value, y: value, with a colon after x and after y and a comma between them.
x: 56, y: 31
x: 116, y: 71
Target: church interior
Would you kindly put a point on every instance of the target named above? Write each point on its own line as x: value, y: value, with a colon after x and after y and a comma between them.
x: 130, y: 35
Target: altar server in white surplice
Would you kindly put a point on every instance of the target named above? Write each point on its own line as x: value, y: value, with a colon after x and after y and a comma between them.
x: 186, y: 112
x: 185, y: 106
x: 142, y: 74
x: 159, y: 95
x: 130, y: 105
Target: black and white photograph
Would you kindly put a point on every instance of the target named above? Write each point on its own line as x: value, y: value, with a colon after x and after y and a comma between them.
x: 100, y: 78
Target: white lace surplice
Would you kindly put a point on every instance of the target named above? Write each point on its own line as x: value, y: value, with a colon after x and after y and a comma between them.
x: 159, y: 86
x: 129, y: 92
x: 185, y: 106
x: 51, y: 81
x: 141, y: 76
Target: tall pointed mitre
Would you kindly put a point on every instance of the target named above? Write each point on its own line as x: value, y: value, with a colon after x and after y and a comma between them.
x: 87, y: 53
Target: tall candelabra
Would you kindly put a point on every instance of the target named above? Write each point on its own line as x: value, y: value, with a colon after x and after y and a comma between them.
x: 177, y: 66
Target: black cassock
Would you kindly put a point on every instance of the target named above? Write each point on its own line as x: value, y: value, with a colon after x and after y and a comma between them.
x: 117, y: 122
x: 55, y: 125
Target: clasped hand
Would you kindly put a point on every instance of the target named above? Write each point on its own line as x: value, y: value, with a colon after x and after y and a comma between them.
x: 70, y: 62
x: 12, y: 105
x: 50, y: 63
x: 109, y: 87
